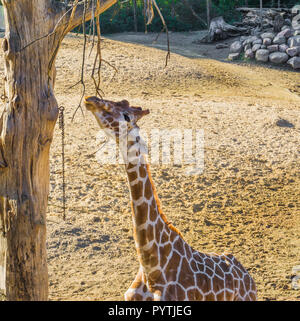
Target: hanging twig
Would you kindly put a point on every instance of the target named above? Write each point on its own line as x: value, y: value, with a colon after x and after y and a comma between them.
x: 164, y: 28
x: 62, y: 127
x: 52, y: 59
x: 99, y: 58
x: 93, y: 26
x: 81, y: 81
x: 148, y: 5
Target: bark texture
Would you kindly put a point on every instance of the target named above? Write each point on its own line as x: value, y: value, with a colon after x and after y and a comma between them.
x: 220, y: 30
x: 27, y: 121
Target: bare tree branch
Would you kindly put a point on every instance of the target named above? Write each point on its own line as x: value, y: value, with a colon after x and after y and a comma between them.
x: 78, y: 14
x: 187, y: 3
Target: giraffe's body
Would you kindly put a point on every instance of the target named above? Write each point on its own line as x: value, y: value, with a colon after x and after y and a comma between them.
x: 169, y: 268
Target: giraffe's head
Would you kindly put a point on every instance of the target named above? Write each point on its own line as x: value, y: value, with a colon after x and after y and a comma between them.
x: 115, y: 118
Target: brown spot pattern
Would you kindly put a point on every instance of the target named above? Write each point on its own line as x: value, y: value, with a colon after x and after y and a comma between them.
x: 137, y: 191
x: 221, y: 296
x: 194, y: 295
x: 172, y: 266
x: 210, y: 297
x: 142, y: 237
x: 132, y: 176
x: 153, y: 213
x: 150, y: 232
x: 203, y: 282
x: 186, y: 275
x: 141, y: 214
x: 142, y: 171
x: 178, y: 245
x: 171, y: 293
x: 148, y: 190
x: 156, y: 277
x: 164, y: 252
x: 164, y: 238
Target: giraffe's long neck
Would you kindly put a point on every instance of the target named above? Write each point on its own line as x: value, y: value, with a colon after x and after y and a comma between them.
x: 152, y: 233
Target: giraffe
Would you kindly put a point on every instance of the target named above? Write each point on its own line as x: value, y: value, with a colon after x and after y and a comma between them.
x: 170, y: 269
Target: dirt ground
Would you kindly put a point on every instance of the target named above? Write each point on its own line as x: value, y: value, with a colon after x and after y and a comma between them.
x: 247, y: 200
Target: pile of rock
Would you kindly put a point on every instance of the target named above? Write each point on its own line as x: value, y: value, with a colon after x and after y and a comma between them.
x: 266, y: 18
x: 280, y: 48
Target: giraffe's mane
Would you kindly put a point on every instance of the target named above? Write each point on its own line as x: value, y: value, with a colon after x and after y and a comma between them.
x: 162, y: 215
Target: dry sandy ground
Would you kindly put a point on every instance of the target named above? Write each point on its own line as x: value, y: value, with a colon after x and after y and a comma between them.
x: 247, y: 200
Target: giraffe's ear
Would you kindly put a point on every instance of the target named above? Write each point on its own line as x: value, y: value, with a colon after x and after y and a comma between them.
x: 139, y: 113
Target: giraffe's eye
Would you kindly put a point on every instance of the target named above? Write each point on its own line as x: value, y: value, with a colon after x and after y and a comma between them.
x: 126, y: 117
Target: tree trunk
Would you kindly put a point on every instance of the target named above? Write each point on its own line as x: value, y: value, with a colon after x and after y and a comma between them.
x: 26, y: 125
x: 261, y: 13
x: 135, y: 15
x: 208, y: 6
x: 220, y: 30
x: 145, y: 20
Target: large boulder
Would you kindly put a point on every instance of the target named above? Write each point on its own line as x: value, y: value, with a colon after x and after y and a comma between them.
x: 294, y: 41
x: 283, y: 47
x: 250, y: 40
x: 294, y: 62
x: 279, y: 40
x: 278, y: 57
x: 256, y: 47
x: 262, y: 55
x: 293, y: 51
x: 249, y: 54
x: 285, y: 33
x: 295, y: 23
x: 236, y: 47
x: 267, y: 41
x: 247, y: 47
x: 270, y: 35
x: 273, y: 48
x: 257, y: 42
x: 234, y: 56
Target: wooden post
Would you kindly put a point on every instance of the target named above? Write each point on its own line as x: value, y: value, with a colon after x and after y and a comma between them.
x: 135, y: 15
